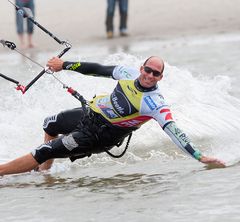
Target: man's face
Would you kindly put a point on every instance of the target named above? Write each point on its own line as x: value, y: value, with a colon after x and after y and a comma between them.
x: 150, y: 73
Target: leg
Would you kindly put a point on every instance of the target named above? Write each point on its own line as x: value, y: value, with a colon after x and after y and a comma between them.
x: 123, y: 8
x: 21, y: 40
x: 63, y: 123
x: 56, y: 148
x: 109, y: 18
x: 30, y: 26
x: 19, y: 23
x: 30, y: 44
x: 47, y: 165
x: 31, y: 161
x: 20, y: 165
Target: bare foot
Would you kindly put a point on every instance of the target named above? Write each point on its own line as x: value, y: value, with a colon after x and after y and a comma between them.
x: 30, y: 45
x: 22, y: 46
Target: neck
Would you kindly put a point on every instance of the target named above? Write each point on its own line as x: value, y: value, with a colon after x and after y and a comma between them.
x: 144, y: 89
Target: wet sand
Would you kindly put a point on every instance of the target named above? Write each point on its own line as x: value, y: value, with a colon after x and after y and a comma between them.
x: 82, y: 22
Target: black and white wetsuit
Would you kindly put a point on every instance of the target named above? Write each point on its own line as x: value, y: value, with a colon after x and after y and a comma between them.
x: 116, y: 115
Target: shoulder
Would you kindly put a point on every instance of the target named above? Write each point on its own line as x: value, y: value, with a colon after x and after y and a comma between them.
x: 155, y: 105
x: 154, y: 100
x: 125, y: 72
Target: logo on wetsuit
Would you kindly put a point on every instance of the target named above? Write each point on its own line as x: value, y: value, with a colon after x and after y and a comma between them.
x: 73, y: 66
x: 149, y: 101
x: 120, y: 102
x: 116, y: 105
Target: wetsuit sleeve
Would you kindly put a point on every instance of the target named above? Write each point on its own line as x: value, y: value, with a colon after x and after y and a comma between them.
x: 88, y: 68
x: 163, y: 116
x: 181, y: 140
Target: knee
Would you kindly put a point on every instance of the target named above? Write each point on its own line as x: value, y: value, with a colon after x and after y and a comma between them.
x: 48, y: 120
x: 42, y: 153
x: 110, y: 12
x: 49, y: 126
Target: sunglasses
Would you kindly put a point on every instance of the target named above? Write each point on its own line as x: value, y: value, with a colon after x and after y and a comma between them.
x: 150, y: 70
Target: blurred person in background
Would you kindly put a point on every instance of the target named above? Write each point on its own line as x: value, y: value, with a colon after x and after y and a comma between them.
x: 123, y: 11
x: 20, y: 22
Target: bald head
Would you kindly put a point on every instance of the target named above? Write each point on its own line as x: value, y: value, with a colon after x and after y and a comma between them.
x: 156, y: 61
x: 151, y: 72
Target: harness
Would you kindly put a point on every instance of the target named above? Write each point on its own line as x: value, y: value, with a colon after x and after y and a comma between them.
x: 89, y: 120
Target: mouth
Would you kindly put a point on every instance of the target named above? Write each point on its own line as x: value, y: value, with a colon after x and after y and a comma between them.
x: 147, y: 81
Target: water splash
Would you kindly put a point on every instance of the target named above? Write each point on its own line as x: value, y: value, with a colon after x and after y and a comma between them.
x: 201, y: 105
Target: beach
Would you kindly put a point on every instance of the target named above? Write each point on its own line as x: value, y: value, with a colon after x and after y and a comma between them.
x: 155, y: 180
x: 83, y: 22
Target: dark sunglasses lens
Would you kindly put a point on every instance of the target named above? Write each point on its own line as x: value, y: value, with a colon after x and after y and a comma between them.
x: 149, y: 70
x: 156, y: 73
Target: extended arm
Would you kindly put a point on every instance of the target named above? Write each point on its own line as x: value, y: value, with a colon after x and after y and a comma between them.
x: 182, y: 141
x: 163, y: 116
x: 87, y: 68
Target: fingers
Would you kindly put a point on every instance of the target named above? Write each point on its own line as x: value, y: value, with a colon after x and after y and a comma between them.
x: 55, y: 64
x: 50, y: 64
x: 218, y: 163
x: 214, y: 165
x: 212, y: 162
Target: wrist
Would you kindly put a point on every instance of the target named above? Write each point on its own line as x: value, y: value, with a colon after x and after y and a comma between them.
x: 64, y: 65
x: 197, y: 155
x: 71, y: 65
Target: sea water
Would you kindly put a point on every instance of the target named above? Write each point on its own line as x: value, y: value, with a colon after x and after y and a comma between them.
x: 155, y: 180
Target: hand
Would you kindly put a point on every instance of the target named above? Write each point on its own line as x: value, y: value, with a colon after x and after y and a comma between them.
x: 212, y: 162
x: 55, y: 64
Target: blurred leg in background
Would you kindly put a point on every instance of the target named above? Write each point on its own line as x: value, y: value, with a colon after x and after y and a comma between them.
x: 109, y: 20
x: 20, y: 22
x: 123, y: 9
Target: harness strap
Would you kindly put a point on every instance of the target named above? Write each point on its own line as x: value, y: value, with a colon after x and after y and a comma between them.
x: 124, y: 151
x: 80, y: 156
x: 86, y: 114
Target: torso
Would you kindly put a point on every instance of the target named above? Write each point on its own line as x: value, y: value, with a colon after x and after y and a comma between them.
x: 130, y: 106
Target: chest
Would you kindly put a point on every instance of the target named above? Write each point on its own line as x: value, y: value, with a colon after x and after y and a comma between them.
x: 126, y: 99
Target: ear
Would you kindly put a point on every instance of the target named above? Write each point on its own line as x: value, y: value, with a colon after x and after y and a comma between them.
x: 141, y: 69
